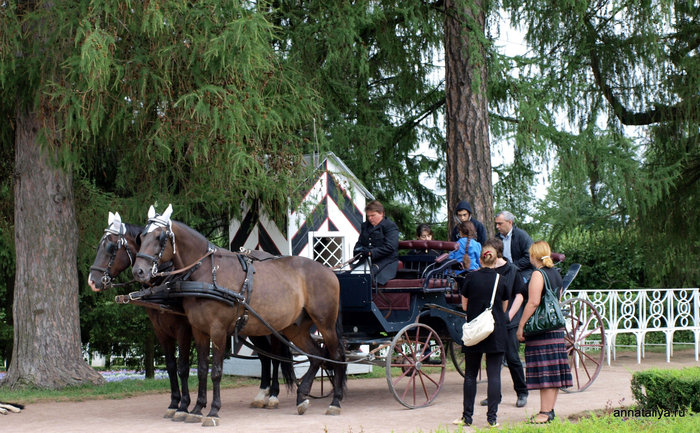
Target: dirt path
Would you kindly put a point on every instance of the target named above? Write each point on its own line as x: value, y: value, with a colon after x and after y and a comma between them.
x: 368, y: 407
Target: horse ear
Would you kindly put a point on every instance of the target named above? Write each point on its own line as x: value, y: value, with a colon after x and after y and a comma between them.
x: 168, y: 212
x: 110, y: 218
x: 151, y: 212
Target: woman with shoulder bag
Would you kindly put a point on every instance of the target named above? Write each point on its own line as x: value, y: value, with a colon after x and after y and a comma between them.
x: 546, y: 361
x: 477, y: 294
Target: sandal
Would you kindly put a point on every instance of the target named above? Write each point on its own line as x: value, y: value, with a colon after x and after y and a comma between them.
x: 550, y: 417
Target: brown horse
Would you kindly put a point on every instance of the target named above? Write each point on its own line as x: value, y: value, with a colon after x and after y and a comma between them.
x: 115, y: 253
x: 291, y: 294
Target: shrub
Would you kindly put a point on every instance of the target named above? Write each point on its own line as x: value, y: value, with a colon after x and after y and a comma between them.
x: 668, y: 390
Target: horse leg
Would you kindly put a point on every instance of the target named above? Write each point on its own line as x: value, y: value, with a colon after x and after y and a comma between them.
x: 274, y: 402
x: 302, y: 339
x: 202, y: 343
x: 262, y: 398
x: 184, y: 342
x: 335, y: 351
x: 168, y: 346
x: 218, y: 347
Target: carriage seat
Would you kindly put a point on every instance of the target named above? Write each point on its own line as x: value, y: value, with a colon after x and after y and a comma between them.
x: 413, y: 266
x: 415, y: 270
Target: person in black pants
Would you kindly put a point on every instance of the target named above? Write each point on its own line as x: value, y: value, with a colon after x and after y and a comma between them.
x: 517, y: 291
x: 477, y: 292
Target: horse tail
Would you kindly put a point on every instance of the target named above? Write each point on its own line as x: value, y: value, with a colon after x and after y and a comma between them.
x: 287, y: 366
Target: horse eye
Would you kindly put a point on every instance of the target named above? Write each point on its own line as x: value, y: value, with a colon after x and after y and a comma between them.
x: 111, y: 247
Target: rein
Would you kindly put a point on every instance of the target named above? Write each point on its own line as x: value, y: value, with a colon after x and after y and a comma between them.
x: 209, y: 252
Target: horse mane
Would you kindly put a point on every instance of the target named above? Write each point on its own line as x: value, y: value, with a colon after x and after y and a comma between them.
x: 194, y: 232
x: 133, y: 230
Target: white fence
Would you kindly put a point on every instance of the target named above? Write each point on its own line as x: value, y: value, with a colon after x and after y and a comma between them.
x: 641, y: 311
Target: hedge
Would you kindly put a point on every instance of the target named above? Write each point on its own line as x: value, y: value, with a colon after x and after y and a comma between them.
x: 667, y: 390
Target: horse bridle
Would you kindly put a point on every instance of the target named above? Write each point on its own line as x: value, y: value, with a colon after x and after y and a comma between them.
x: 162, y: 240
x: 114, y: 247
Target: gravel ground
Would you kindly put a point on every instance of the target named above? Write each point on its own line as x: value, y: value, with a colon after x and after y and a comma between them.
x: 368, y: 407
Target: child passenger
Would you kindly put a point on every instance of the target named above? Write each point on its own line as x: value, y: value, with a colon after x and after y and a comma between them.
x: 469, y: 249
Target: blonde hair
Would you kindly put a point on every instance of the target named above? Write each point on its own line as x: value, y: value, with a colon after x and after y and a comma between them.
x: 541, y: 252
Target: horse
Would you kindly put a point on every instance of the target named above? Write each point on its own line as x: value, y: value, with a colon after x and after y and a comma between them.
x: 285, y: 297
x: 115, y: 253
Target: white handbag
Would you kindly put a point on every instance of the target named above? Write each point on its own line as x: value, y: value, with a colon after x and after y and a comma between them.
x: 481, y: 326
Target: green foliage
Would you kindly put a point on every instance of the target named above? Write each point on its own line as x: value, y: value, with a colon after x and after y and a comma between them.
x: 668, y: 390
x: 608, y: 259
x: 607, y: 97
x: 608, y: 423
x: 371, y: 64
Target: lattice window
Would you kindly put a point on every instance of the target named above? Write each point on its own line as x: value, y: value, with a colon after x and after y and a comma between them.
x: 328, y: 250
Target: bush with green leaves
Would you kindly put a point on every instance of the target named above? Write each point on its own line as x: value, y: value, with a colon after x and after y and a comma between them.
x: 668, y: 390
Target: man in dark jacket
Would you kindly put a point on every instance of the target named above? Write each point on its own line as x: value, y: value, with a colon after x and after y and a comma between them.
x: 379, y: 240
x: 516, y: 244
x: 463, y: 212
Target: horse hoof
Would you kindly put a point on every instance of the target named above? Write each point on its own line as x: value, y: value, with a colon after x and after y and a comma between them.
x: 301, y: 407
x: 273, y: 403
x: 333, y: 410
x: 257, y: 404
x: 211, y: 421
x: 180, y: 416
x: 169, y: 413
x: 193, y: 418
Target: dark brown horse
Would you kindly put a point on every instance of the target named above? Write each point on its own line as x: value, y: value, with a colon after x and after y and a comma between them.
x: 291, y: 294
x: 115, y: 253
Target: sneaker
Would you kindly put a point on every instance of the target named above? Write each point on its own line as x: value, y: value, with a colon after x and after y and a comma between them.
x: 494, y: 424
x: 461, y: 421
x: 522, y: 401
x: 484, y: 402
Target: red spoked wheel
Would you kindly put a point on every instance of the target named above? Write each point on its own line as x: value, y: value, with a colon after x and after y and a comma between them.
x: 415, y: 365
x: 585, y: 342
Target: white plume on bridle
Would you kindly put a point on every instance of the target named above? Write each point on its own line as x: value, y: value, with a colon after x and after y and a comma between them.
x: 115, y: 225
x: 157, y: 220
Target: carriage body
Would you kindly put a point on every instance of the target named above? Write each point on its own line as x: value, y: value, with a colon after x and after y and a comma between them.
x: 414, y: 322
x: 406, y: 323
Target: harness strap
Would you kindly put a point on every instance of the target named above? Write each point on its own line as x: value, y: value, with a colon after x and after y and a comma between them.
x: 196, y: 264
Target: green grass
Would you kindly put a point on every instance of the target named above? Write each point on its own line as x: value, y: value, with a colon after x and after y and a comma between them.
x: 113, y: 390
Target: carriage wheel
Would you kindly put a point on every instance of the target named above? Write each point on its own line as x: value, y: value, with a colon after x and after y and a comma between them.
x: 585, y: 342
x: 419, y: 378
x: 457, y: 358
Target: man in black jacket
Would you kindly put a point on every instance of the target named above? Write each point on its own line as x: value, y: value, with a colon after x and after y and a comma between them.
x: 379, y: 240
x: 463, y: 212
x: 516, y: 244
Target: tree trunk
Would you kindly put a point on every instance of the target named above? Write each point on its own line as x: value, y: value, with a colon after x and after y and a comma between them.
x: 468, y: 168
x: 47, y: 348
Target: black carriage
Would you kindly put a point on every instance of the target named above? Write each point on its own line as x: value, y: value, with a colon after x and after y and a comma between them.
x: 414, y: 322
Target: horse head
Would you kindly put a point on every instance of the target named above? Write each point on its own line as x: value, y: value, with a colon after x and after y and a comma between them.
x: 155, y: 248
x: 115, y: 252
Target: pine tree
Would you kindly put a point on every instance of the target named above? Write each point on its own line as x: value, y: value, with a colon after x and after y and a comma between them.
x: 187, y: 103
